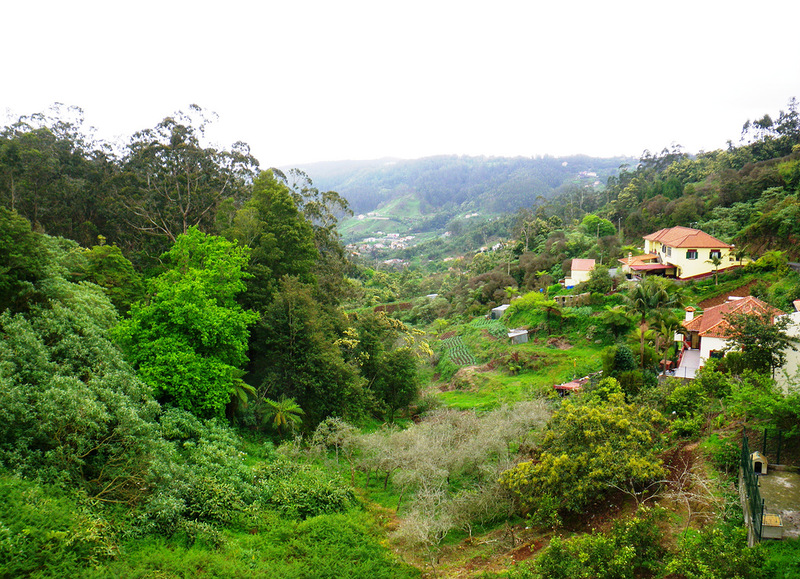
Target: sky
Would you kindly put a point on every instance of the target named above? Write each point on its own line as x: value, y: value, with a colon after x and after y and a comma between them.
x: 304, y: 81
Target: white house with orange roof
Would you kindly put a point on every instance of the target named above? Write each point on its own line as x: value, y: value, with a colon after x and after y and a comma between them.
x: 680, y: 252
x: 709, y: 332
x: 579, y: 272
x: 689, y: 251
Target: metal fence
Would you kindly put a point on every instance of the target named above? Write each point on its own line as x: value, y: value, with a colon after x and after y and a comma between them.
x: 754, y: 500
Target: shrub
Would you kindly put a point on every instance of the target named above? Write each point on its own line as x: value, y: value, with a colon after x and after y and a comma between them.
x: 302, y: 491
x: 45, y: 532
x: 336, y: 546
x: 717, y: 553
x: 724, y: 453
x: 630, y: 547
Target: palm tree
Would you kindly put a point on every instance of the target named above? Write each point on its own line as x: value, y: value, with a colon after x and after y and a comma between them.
x: 647, y: 300
x: 616, y: 320
x: 716, y: 261
x: 284, y: 412
x: 551, y: 310
x: 240, y: 394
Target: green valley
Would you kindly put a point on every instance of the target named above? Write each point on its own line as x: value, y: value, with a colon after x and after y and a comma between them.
x: 448, y: 367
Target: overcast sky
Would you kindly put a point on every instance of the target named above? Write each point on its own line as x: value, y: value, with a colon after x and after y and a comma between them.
x: 304, y: 81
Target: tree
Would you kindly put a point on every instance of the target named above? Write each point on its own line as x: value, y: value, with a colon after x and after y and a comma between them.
x: 322, y: 209
x: 283, y: 413
x: 170, y: 181
x: 589, y: 447
x: 397, y: 382
x: 281, y: 238
x: 189, y: 338
x: 296, y: 354
x: 54, y: 174
x: 597, y: 226
x: 716, y: 261
x: 761, y: 338
x: 23, y: 262
x: 108, y: 268
x: 599, y: 280
x: 72, y: 409
x: 617, y: 321
x: 647, y: 299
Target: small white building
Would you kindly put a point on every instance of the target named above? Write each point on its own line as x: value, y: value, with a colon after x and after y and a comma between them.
x: 789, y: 373
x: 579, y: 272
x: 498, y: 312
x: 518, y: 335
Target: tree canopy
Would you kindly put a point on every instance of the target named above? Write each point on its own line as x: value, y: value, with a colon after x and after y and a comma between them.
x: 189, y: 338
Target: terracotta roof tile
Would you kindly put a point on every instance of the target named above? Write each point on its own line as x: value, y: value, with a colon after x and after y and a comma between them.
x: 712, y: 322
x: 639, y: 259
x: 582, y: 265
x: 685, y: 237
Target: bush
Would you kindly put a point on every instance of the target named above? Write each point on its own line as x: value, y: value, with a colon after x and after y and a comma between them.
x: 46, y: 533
x: 724, y: 453
x: 630, y: 548
x: 717, y: 553
x: 337, y: 546
x: 302, y: 491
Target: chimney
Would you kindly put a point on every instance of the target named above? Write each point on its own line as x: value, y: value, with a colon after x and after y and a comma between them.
x: 689, y: 314
x: 630, y: 258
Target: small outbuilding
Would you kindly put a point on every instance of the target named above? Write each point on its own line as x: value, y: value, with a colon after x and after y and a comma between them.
x: 518, y: 336
x: 498, y: 312
x: 759, y: 462
x: 771, y: 526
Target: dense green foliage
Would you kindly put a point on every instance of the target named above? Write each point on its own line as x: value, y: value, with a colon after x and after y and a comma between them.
x: 224, y: 288
x: 590, y: 447
x: 189, y: 339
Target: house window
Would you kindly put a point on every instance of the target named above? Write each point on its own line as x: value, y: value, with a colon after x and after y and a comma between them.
x: 669, y: 252
x: 714, y: 253
x: 691, y: 254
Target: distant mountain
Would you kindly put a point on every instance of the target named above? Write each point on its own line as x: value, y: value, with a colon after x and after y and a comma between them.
x: 457, y: 183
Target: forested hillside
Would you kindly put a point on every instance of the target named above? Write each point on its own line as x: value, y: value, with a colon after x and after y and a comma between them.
x: 198, y: 378
x: 459, y: 184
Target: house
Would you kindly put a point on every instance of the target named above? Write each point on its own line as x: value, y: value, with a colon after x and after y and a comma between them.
x: 579, y: 273
x: 789, y: 374
x: 689, y: 251
x: 709, y: 331
x: 644, y: 264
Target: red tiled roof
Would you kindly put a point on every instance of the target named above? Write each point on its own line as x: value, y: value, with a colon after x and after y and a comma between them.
x: 582, y: 265
x: 685, y: 237
x: 639, y: 259
x: 712, y: 322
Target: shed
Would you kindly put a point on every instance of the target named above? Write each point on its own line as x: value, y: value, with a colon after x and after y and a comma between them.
x: 771, y: 526
x: 518, y: 335
x: 759, y: 463
x: 498, y: 312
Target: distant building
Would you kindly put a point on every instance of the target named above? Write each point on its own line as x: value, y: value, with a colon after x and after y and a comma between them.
x: 579, y: 272
x: 709, y: 332
x: 518, y: 336
x: 680, y: 252
x: 498, y: 312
